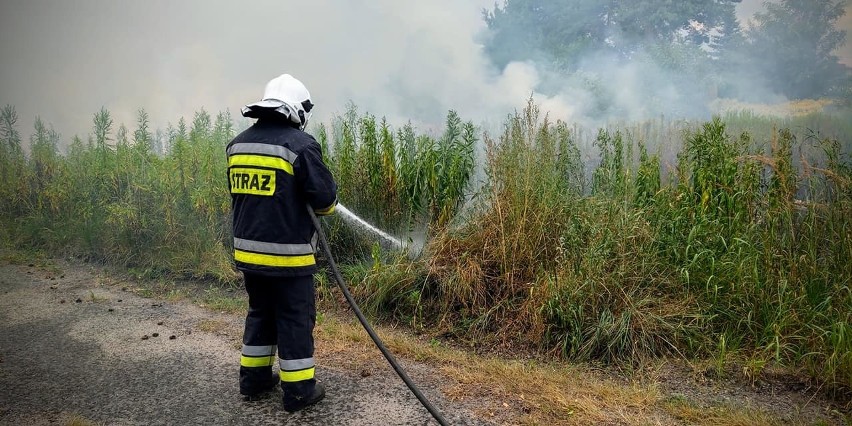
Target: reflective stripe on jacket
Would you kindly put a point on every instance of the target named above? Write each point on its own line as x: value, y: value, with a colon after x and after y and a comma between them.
x: 274, y: 171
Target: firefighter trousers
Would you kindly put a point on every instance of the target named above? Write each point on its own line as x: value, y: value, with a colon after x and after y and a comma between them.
x: 281, y: 314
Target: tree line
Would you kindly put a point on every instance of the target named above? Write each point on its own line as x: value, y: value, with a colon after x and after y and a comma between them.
x: 788, y: 49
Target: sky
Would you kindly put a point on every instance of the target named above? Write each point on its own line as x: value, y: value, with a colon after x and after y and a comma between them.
x: 64, y: 60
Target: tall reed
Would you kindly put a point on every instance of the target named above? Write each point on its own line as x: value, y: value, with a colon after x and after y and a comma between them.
x: 635, y: 240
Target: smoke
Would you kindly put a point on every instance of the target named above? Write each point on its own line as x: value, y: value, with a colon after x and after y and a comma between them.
x: 65, y: 60
x: 404, y: 60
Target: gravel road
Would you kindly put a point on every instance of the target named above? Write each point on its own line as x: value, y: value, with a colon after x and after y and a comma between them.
x: 71, y: 348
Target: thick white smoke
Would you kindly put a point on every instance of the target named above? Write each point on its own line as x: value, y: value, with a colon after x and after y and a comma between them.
x: 405, y: 60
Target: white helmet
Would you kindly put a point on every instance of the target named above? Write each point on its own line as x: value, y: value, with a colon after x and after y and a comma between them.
x: 284, y: 95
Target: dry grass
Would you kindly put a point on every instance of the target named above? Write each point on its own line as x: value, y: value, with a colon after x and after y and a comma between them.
x: 225, y: 302
x: 346, y: 343
x: 223, y: 299
x: 549, y: 393
x: 211, y: 326
x: 77, y: 420
x: 96, y: 298
x: 528, y: 392
x: 686, y: 411
x: 511, y: 391
x: 791, y: 108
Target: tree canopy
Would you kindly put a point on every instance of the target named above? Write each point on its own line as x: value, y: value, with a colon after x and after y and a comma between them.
x: 564, y: 31
x: 788, y: 49
x: 792, y: 45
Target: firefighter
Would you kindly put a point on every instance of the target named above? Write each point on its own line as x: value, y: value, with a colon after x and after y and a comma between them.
x: 275, y: 171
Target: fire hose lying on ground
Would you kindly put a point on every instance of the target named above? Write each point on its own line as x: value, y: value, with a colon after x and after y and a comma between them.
x: 399, y: 371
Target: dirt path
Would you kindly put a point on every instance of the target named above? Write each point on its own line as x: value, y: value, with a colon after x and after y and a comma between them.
x: 75, y: 351
x: 80, y: 345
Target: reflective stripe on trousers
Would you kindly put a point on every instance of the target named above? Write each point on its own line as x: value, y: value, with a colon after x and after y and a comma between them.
x: 281, y: 310
x: 257, y: 356
x: 295, y: 370
x: 291, y: 370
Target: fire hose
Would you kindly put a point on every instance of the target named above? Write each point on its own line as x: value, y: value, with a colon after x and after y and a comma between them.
x: 399, y: 371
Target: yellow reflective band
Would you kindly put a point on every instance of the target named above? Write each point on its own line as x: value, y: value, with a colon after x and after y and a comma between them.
x: 249, y: 160
x: 257, y: 361
x: 252, y: 181
x: 326, y: 211
x: 297, y: 376
x: 273, y: 260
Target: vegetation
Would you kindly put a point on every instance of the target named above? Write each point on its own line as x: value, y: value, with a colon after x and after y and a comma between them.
x: 398, y: 179
x: 741, y: 249
x: 115, y: 200
x: 806, y: 35
x: 787, y: 51
x: 675, y: 239
x: 566, y: 31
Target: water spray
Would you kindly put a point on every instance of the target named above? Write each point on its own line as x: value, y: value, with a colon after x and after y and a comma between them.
x: 339, y: 278
x: 361, y: 223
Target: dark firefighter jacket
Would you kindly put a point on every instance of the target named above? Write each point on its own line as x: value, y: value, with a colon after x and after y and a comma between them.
x: 274, y: 172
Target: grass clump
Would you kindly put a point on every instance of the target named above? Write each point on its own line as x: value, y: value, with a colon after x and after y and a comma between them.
x: 743, y: 244
x: 629, y: 242
x: 148, y: 201
x: 550, y: 258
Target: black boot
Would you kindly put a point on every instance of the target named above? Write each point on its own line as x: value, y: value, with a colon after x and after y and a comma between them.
x: 261, y: 391
x: 294, y: 403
